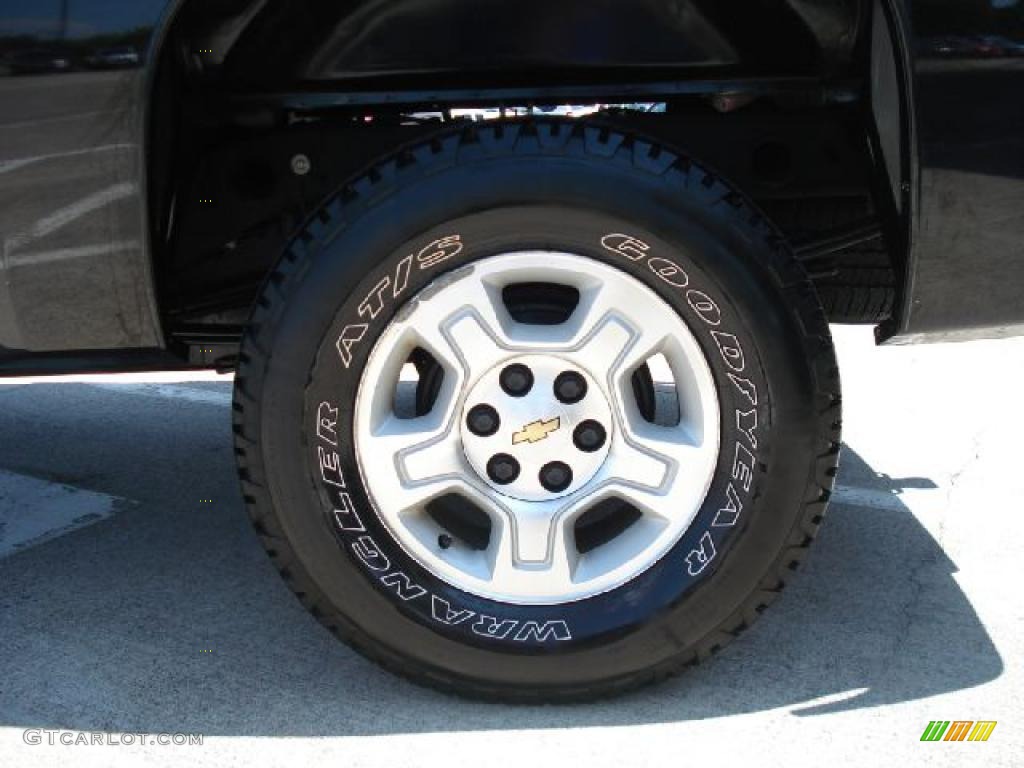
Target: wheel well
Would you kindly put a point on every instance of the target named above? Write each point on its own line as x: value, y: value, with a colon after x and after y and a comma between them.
x: 239, y: 157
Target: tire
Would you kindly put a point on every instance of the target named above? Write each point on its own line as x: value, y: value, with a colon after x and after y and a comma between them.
x: 407, y: 235
x: 861, y: 289
x: 856, y: 285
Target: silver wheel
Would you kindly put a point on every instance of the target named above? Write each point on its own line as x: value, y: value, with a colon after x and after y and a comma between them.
x: 535, y: 429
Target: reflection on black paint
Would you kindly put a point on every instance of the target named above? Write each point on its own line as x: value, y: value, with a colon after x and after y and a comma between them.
x: 969, y: 243
x: 63, y: 36
x: 37, y: 55
x: 969, y: 29
x: 72, y: 258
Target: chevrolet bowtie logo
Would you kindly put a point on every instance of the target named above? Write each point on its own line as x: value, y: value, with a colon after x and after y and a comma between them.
x: 536, y: 431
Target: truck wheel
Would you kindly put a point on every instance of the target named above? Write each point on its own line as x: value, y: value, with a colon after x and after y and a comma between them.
x: 537, y: 411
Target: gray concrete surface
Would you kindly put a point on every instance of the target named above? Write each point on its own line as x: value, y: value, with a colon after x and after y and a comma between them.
x: 163, y: 615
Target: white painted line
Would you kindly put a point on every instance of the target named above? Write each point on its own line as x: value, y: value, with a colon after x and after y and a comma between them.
x: 21, y: 162
x: 220, y: 397
x: 828, y: 699
x: 33, y: 511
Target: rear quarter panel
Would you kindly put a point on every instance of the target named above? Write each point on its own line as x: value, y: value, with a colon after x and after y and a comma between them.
x: 965, y: 268
x: 74, y: 263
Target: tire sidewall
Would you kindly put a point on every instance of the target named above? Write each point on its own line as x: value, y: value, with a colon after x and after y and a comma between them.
x: 697, y: 257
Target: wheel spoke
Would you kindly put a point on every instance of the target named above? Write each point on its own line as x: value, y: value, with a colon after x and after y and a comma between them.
x: 533, y: 543
x: 628, y: 460
x: 564, y: 555
x: 465, y: 342
x: 426, y: 461
x: 438, y: 457
x: 659, y: 469
x: 669, y: 445
x: 534, y: 533
x: 613, y: 349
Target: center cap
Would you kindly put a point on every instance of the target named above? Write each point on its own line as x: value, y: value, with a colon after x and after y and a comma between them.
x: 536, y: 427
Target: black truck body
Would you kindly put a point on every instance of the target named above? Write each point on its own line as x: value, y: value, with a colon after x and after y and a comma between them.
x: 144, y: 195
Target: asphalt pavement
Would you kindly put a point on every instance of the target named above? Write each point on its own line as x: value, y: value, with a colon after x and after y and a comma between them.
x: 134, y: 599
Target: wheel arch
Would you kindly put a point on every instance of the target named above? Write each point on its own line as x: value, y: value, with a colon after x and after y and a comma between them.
x: 210, y: 56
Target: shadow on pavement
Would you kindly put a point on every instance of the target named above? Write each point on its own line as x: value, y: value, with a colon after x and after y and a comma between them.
x: 106, y: 628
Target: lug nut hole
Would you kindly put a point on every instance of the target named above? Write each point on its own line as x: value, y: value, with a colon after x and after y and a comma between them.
x: 570, y: 387
x: 555, y: 476
x: 589, y: 436
x: 516, y: 380
x: 483, y: 420
x: 502, y: 468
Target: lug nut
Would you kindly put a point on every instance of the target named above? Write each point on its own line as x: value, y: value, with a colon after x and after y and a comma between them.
x: 570, y: 387
x: 555, y: 476
x: 589, y: 436
x: 516, y: 380
x: 502, y: 468
x: 483, y: 420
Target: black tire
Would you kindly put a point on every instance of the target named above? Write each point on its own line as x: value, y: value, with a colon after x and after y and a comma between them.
x: 560, y: 185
